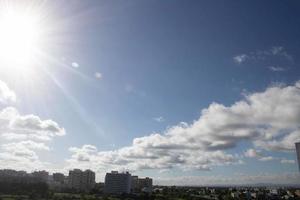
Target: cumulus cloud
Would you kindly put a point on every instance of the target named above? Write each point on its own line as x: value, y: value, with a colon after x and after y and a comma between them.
x: 22, y: 155
x: 7, y: 95
x: 21, y: 135
x: 268, y: 120
x: 12, y: 122
x: 20, y: 139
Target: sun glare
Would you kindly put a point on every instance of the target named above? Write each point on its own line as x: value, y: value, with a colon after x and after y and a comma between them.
x: 18, y: 39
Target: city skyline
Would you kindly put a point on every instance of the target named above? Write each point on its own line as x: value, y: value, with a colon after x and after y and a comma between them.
x: 188, y: 93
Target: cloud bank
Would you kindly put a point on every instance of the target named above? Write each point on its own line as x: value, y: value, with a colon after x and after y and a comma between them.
x: 267, y: 120
x: 23, y: 136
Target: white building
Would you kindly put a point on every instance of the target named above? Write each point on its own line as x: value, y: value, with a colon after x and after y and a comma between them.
x: 117, y: 183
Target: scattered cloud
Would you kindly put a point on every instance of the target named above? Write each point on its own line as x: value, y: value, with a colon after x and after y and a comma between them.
x: 75, y: 64
x: 240, y: 58
x: 22, y: 155
x: 98, y: 75
x: 7, y: 96
x: 159, y: 119
x: 23, y: 136
x: 267, y: 158
x: 252, y: 153
x: 276, y: 53
x: 269, y: 120
x: 238, y: 179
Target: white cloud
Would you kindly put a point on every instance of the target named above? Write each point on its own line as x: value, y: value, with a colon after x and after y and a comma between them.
x: 98, y: 75
x: 238, y: 179
x: 20, y: 139
x: 7, y: 96
x: 277, y: 69
x: 287, y: 161
x: 11, y: 121
x: 159, y: 119
x: 252, y: 153
x: 22, y: 155
x: 75, y: 64
x: 269, y: 120
x: 267, y: 158
x: 20, y: 135
x: 263, y: 55
x: 240, y: 58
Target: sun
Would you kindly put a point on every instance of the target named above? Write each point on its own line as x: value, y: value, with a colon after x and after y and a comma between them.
x: 19, y: 37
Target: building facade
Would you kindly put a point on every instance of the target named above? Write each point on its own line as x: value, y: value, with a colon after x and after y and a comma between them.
x: 117, y: 183
x: 298, y: 153
x: 58, y: 177
x: 145, y: 184
x: 81, y: 180
x: 41, y: 175
x: 141, y: 184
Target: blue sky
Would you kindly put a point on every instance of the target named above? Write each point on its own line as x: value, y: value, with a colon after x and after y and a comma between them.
x: 110, y: 72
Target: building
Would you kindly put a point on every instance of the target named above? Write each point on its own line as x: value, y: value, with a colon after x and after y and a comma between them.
x: 117, y: 183
x: 135, y: 184
x: 298, y: 153
x: 145, y: 184
x: 58, y: 177
x: 81, y: 180
x: 141, y: 184
x: 41, y: 175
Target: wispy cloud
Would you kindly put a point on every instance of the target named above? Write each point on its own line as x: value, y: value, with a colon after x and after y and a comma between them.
x: 263, y: 55
x: 287, y: 161
x: 277, y: 69
x: 159, y: 119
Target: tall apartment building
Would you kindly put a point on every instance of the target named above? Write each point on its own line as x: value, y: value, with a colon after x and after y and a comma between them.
x: 81, y: 180
x: 41, y: 175
x: 58, y: 177
x: 117, y: 183
x: 298, y: 153
x: 134, y: 184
